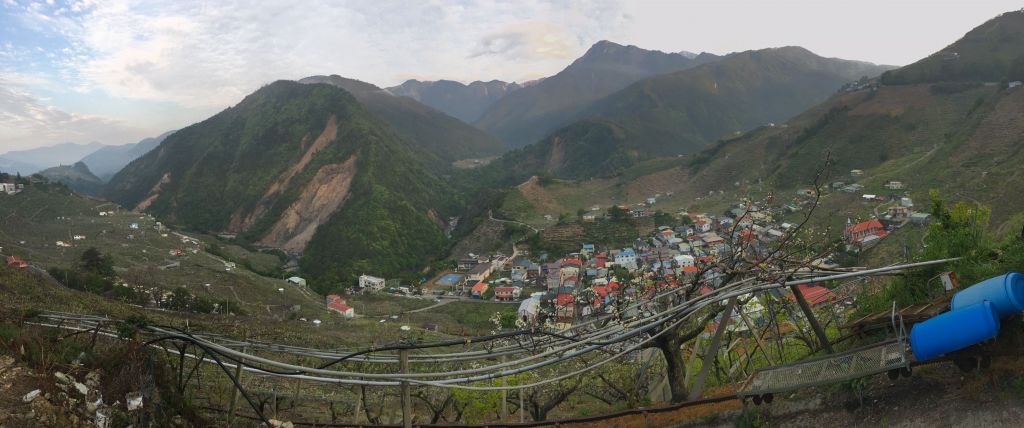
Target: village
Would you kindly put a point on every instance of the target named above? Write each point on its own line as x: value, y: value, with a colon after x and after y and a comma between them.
x: 560, y: 290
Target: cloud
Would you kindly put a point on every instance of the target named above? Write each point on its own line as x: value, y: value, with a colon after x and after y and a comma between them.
x: 528, y: 41
x: 211, y: 54
x: 26, y: 121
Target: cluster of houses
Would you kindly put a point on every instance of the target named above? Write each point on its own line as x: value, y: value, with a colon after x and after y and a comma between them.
x: 866, y: 234
x: 590, y: 281
x: 473, y: 271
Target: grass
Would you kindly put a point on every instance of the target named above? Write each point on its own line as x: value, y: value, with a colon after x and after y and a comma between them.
x: 373, y: 305
x: 32, y: 221
x: 474, y: 317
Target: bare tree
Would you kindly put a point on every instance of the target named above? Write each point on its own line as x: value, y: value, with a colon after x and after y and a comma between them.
x: 746, y: 259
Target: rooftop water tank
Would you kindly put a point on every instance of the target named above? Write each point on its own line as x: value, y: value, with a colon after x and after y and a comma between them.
x: 1006, y: 292
x: 954, y: 330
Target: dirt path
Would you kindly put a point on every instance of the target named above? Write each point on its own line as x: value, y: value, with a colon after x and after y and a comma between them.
x: 434, y: 306
x: 490, y: 215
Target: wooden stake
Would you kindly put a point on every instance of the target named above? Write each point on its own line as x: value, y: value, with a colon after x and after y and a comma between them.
x: 403, y: 367
x: 504, y: 395
x: 522, y: 408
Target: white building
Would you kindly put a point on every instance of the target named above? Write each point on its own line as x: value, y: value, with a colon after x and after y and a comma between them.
x: 684, y: 260
x: 627, y: 259
x: 371, y: 282
x: 297, y: 281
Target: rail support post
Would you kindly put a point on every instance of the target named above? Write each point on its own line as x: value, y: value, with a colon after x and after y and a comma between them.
x: 234, y: 392
x: 504, y: 394
x: 522, y: 408
x: 811, y: 319
x: 403, y: 367
x: 712, y: 352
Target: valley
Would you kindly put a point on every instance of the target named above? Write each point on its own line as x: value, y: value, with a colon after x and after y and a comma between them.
x: 634, y: 237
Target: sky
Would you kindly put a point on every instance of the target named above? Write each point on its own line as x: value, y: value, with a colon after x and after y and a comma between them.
x: 118, y: 71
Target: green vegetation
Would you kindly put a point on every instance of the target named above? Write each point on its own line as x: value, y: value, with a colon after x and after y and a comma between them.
x: 95, y: 274
x: 77, y: 177
x: 991, y: 52
x: 31, y: 222
x: 442, y: 138
x: 467, y: 317
x: 962, y: 231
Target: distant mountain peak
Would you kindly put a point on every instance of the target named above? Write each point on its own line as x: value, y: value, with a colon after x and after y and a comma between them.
x: 354, y: 86
x: 76, y: 176
x: 459, y: 100
x: 530, y: 113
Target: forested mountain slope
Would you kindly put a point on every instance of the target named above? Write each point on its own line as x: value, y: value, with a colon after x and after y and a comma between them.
x: 303, y: 167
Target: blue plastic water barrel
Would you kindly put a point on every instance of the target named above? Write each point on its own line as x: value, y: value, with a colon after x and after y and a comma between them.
x: 1006, y: 292
x: 954, y: 330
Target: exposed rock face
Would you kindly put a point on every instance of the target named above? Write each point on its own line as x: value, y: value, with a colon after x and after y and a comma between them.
x: 153, y: 193
x: 319, y: 200
x: 328, y: 135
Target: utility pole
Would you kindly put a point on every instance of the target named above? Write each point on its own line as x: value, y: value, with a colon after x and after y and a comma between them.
x: 403, y: 367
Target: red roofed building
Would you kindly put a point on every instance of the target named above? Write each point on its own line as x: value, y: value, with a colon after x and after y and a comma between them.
x: 342, y: 309
x: 572, y: 262
x: 334, y: 298
x: 814, y: 294
x: 506, y: 293
x: 612, y: 286
x: 564, y: 307
x: 479, y: 289
x: 859, y: 232
x: 16, y: 263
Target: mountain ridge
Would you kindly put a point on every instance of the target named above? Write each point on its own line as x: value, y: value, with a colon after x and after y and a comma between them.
x: 682, y: 112
x: 437, y: 134
x: 108, y: 160
x: 465, y: 102
x: 49, y: 156
x: 528, y: 114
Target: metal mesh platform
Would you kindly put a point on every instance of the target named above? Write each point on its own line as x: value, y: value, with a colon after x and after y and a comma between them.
x: 877, y: 358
